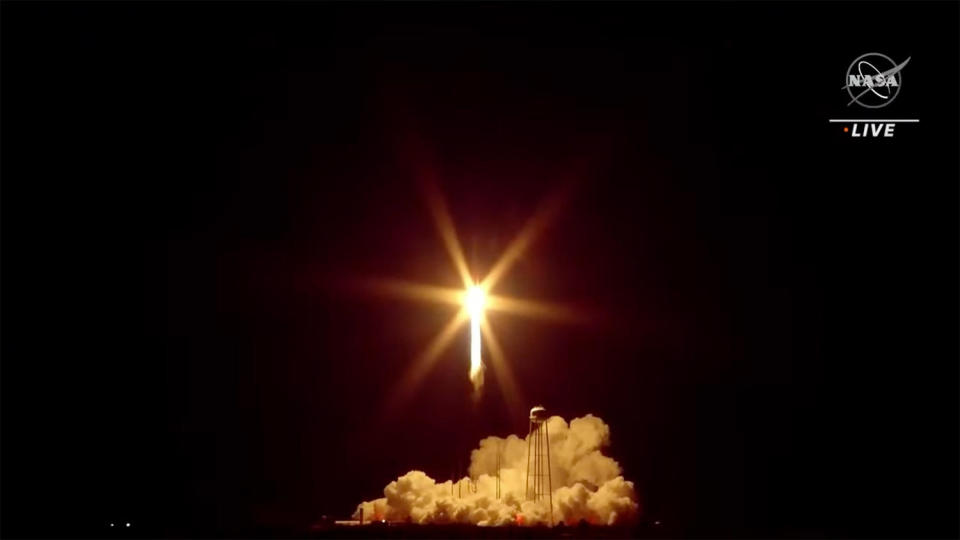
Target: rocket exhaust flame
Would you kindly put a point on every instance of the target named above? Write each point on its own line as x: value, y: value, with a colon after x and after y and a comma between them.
x: 475, y: 303
x: 476, y: 363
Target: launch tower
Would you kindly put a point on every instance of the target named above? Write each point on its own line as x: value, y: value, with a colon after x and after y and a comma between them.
x: 539, y: 485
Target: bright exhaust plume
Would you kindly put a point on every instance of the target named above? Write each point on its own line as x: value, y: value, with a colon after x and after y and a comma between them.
x: 475, y: 303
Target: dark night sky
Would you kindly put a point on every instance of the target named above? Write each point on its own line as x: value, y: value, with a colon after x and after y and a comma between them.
x: 185, y: 184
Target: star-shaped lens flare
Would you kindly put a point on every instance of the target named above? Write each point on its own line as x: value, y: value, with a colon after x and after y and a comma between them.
x: 475, y: 300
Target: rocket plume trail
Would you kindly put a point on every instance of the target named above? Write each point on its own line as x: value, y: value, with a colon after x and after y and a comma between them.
x: 476, y: 299
x: 476, y: 364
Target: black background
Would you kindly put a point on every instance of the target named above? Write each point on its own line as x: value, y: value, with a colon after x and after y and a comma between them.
x: 184, y: 184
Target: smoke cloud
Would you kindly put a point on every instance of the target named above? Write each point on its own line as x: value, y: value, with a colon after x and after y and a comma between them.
x: 587, y: 485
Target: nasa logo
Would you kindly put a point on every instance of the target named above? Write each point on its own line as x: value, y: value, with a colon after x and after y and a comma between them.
x: 872, y: 81
x: 870, y: 87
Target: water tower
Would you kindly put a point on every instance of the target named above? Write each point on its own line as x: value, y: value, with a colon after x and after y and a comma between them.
x: 539, y: 485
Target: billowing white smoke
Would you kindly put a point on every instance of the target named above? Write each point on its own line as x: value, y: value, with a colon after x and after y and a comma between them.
x: 586, y: 485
